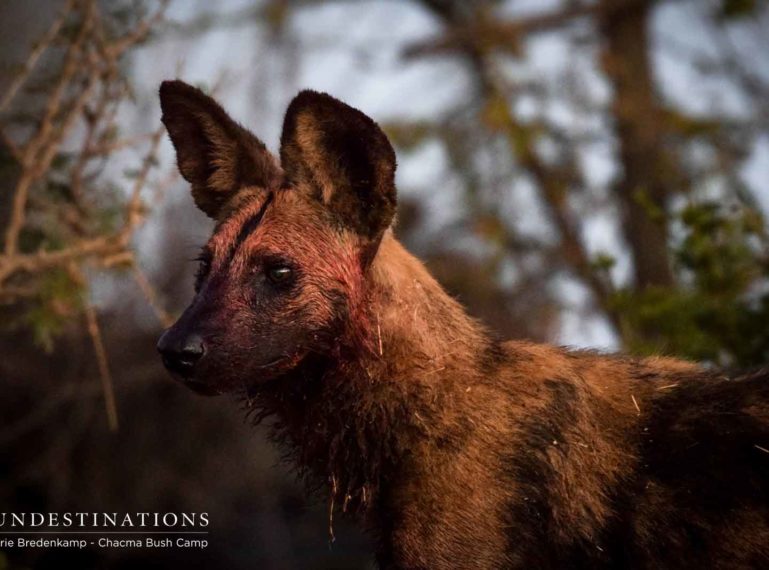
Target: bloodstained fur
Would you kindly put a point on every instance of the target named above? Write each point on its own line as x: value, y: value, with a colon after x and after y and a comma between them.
x: 457, y: 450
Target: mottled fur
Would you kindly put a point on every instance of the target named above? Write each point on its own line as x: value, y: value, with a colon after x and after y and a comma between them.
x: 455, y: 450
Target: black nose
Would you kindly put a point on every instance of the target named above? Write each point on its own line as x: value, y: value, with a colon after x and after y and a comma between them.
x: 180, y: 354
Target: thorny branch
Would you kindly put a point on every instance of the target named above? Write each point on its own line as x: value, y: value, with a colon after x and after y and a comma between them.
x: 101, y: 358
x: 34, y: 57
x: 81, y: 102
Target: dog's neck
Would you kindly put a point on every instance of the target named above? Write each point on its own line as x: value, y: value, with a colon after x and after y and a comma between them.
x: 351, y: 418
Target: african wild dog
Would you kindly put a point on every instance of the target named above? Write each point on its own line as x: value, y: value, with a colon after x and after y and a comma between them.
x: 456, y: 450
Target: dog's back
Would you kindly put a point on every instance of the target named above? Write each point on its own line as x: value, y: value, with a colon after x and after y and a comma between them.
x: 600, y: 461
x: 625, y: 463
x: 700, y: 494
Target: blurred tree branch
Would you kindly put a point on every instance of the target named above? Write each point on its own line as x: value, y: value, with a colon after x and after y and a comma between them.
x: 65, y: 218
x: 656, y: 145
x: 490, y: 33
x: 91, y: 62
x: 34, y: 56
x: 553, y: 181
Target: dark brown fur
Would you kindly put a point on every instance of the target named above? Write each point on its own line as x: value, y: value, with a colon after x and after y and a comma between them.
x: 455, y: 450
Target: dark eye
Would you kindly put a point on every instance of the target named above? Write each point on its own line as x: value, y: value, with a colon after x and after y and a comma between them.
x: 279, y: 274
x: 204, y: 267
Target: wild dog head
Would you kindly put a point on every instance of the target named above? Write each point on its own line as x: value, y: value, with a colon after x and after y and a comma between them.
x: 286, y: 266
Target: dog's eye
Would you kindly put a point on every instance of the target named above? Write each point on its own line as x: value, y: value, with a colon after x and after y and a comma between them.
x: 204, y: 267
x: 279, y: 274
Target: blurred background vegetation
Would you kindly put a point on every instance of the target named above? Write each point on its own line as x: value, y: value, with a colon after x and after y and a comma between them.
x: 584, y: 172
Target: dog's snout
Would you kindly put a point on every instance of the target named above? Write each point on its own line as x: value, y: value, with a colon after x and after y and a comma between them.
x: 181, y: 353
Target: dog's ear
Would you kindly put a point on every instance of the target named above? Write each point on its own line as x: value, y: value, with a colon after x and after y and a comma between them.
x: 215, y: 154
x: 343, y: 158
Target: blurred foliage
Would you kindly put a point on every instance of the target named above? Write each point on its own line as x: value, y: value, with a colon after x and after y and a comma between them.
x: 737, y: 8
x: 718, y: 311
x: 60, y: 132
x: 58, y: 300
x: 712, y: 307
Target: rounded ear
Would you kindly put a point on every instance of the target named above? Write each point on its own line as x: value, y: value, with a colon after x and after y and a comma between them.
x: 344, y: 159
x: 214, y: 154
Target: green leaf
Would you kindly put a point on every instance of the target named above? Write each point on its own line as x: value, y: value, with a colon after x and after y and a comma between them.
x: 603, y: 261
x: 733, y: 9
x: 59, y: 299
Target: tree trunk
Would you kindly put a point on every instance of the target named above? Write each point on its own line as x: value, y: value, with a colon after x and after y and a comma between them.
x: 644, y: 186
